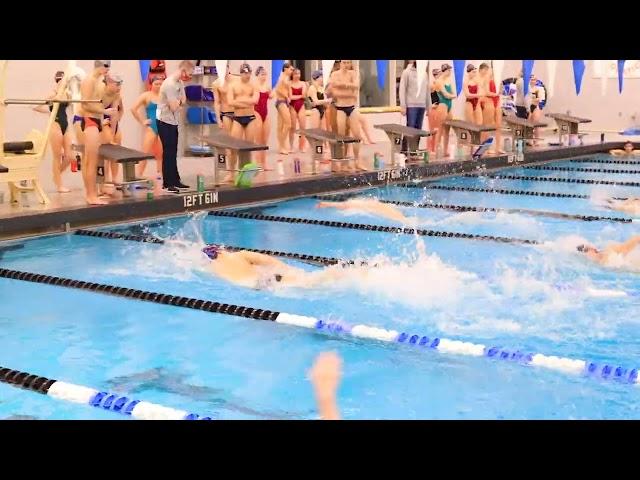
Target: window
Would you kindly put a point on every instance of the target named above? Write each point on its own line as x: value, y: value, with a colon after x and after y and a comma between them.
x: 370, y: 93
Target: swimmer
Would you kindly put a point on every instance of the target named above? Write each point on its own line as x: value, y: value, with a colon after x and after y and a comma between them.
x: 259, y: 271
x: 325, y: 376
x: 602, y: 256
x: 368, y: 205
x: 627, y: 151
x: 628, y: 205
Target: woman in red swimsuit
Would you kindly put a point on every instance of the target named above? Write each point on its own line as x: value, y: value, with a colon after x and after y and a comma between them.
x: 297, y: 94
x: 263, y: 85
x: 472, y: 113
x: 490, y: 103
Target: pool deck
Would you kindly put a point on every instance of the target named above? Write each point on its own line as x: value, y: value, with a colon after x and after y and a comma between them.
x: 69, y: 211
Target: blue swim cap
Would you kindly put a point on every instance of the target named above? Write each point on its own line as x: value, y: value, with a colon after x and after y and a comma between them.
x: 212, y: 251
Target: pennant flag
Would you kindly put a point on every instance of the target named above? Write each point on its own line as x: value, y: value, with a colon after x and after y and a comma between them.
x: 578, y: 72
x: 551, y: 74
x: 382, y: 67
x: 276, y: 70
x: 458, y: 73
x: 620, y: 74
x: 527, y: 67
x: 422, y: 67
x: 221, y: 70
x: 498, y: 66
x: 144, y: 69
x: 327, y: 65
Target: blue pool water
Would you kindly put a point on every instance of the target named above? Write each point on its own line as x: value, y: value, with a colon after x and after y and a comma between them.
x: 235, y: 368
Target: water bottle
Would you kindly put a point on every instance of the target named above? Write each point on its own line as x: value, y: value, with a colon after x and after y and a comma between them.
x: 280, y: 168
x: 376, y: 161
x: 453, y: 139
x: 200, y: 182
x: 150, y: 188
x: 296, y: 165
x: 602, y: 137
x: 79, y: 161
x: 157, y: 187
x: 74, y: 163
x: 459, y: 152
x: 425, y: 156
x: 381, y: 161
x: 520, y: 150
x: 508, y: 147
x: 439, y: 151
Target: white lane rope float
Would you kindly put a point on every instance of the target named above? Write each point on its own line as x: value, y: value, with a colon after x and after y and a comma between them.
x: 80, y: 394
x: 442, y: 345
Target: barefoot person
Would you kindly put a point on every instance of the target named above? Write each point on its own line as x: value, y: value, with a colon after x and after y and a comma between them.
x: 224, y: 111
x: 490, y: 104
x: 297, y: 94
x: 262, y: 109
x: 444, y: 89
x: 60, y: 138
x: 91, y: 125
x: 111, y: 98
x: 472, y: 112
x: 414, y: 98
x: 344, y: 88
x: 151, y: 141
x: 605, y: 255
x: 368, y: 205
x: 281, y: 92
x: 242, y: 96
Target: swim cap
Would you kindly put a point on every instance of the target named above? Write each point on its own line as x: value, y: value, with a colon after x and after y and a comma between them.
x: 212, y: 251
x: 259, y: 70
x: 59, y: 75
x: 115, y: 78
x: 435, y: 72
x: 245, y: 68
x: 444, y: 67
x: 102, y: 63
x: 316, y: 74
x: 471, y: 67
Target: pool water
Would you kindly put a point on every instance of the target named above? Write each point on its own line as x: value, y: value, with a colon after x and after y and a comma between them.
x: 536, y: 298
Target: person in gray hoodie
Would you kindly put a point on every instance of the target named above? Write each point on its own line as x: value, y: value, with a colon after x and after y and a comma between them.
x: 414, y: 98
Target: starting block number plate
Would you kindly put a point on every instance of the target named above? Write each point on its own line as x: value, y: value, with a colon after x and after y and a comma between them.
x: 463, y: 135
x: 319, y: 149
x: 222, y: 158
x: 565, y: 128
x: 397, y: 140
x: 518, y: 133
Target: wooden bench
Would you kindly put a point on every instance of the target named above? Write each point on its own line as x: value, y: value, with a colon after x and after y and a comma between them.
x: 522, y: 129
x: 568, y: 125
x: 221, y: 141
x: 127, y: 157
x: 338, y: 144
x: 397, y: 133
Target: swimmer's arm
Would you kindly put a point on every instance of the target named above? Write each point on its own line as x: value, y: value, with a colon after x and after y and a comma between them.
x: 120, y: 110
x: 216, y: 103
x: 86, y: 91
x: 44, y: 108
x: 325, y: 376
x: 616, y: 152
x: 627, y: 246
x: 135, y: 110
x: 261, y: 259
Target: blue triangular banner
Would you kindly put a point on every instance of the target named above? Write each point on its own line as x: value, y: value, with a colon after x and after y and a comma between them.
x: 144, y: 69
x: 620, y: 74
x: 578, y: 72
x: 458, y: 73
x: 383, y: 67
x: 527, y: 68
x: 276, y: 70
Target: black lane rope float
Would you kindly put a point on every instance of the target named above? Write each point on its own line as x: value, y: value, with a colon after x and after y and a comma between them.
x: 554, y: 179
x: 373, y: 228
x: 154, y: 297
x: 618, y: 162
x: 311, y: 259
x: 468, y: 208
x: 494, y: 190
x: 579, y: 169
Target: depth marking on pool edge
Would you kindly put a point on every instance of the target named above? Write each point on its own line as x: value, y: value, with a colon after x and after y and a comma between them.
x: 90, y: 396
x: 373, y: 228
x: 443, y: 345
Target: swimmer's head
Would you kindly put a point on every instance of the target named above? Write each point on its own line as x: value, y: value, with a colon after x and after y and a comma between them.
x: 584, y: 248
x: 59, y: 76
x: 628, y: 147
x: 212, y: 251
x: 278, y: 277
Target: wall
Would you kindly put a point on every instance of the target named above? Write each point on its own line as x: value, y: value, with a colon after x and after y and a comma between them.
x: 34, y: 79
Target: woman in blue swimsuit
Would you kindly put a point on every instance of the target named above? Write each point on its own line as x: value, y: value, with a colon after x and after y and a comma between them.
x: 151, y: 142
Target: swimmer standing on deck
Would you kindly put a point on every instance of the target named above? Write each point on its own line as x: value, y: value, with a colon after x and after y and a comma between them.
x: 260, y: 271
x: 368, y: 205
x: 603, y: 256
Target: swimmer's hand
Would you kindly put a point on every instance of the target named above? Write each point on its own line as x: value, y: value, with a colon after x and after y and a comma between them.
x: 325, y: 376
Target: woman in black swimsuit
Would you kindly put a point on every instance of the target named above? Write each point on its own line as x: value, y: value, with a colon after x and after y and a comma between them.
x: 60, y: 137
x: 319, y: 104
